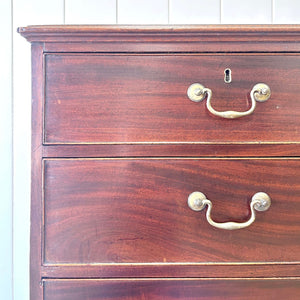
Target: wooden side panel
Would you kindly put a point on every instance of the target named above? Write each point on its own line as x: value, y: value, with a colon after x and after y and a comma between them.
x: 135, y: 210
x: 238, y: 289
x: 142, y: 98
x: 36, y: 173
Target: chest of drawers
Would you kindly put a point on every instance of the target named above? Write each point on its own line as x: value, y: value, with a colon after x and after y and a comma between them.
x: 133, y: 128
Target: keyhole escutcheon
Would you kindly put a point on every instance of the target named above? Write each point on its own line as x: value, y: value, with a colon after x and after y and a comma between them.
x: 227, y: 77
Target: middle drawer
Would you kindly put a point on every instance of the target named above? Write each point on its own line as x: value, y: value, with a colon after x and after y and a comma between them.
x: 135, y: 210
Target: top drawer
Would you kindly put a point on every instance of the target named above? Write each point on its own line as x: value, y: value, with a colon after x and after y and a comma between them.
x: 142, y: 98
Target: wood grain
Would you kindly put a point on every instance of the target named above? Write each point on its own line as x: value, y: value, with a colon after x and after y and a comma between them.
x: 127, y: 217
x: 171, y: 270
x: 36, y: 178
x: 142, y: 98
x: 135, y: 210
x: 199, y: 46
x: 246, y: 289
x: 199, y: 38
x: 167, y: 33
x: 173, y: 150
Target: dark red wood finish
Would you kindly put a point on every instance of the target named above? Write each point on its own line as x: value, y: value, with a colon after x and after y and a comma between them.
x: 143, y: 98
x: 173, y: 139
x: 172, y: 270
x: 170, y: 289
x: 173, y: 150
x: 36, y: 173
x: 135, y: 210
x: 180, y: 34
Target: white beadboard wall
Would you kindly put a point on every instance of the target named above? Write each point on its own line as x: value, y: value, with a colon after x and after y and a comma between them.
x: 6, y: 151
x: 16, y: 91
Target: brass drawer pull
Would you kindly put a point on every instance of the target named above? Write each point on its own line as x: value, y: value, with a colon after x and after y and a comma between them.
x: 260, y: 202
x: 260, y: 92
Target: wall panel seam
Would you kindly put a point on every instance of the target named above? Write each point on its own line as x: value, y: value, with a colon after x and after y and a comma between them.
x: 221, y: 8
x: 64, y: 11
x: 272, y: 11
x: 12, y: 149
x: 117, y: 11
x: 168, y: 11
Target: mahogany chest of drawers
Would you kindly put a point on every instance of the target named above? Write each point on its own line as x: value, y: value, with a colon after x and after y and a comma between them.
x: 133, y: 130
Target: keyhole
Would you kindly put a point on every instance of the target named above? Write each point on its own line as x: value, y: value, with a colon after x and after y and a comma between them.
x: 227, y: 77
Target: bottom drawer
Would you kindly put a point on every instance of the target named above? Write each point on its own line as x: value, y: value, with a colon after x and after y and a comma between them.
x: 92, y: 289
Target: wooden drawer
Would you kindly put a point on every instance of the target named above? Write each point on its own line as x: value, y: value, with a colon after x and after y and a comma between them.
x: 142, y: 98
x: 135, y: 211
x: 239, y: 289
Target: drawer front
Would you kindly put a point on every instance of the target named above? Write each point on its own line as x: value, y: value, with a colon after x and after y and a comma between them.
x: 135, y: 211
x: 172, y: 289
x: 133, y: 98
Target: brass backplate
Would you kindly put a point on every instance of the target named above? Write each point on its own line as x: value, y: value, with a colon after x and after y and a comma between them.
x: 263, y: 92
x: 195, y: 92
